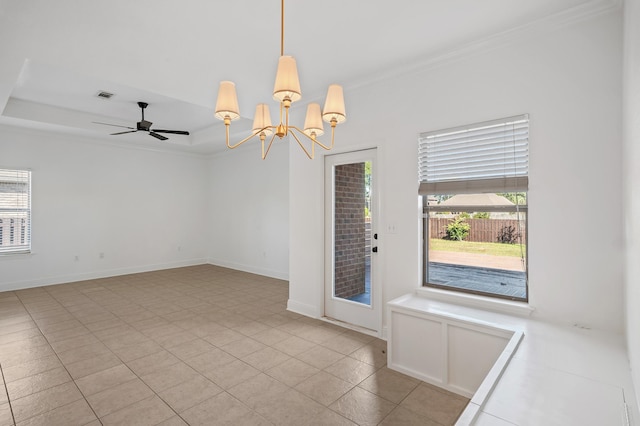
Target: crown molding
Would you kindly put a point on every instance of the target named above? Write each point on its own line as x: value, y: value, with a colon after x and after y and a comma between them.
x: 528, y: 31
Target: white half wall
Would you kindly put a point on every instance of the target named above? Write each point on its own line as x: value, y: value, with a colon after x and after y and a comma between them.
x: 248, y: 218
x: 631, y: 166
x: 568, y: 80
x: 143, y: 210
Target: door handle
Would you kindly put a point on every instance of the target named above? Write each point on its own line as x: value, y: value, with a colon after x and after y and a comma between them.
x: 374, y: 249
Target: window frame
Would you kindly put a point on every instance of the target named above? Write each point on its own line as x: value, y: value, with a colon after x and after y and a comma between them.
x: 426, y: 209
x: 18, y: 217
x: 486, y: 157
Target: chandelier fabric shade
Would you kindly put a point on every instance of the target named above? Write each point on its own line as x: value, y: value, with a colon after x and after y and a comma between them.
x: 334, y: 105
x: 262, y: 120
x: 227, y: 103
x: 286, y: 90
x: 313, y: 125
x: 287, y: 82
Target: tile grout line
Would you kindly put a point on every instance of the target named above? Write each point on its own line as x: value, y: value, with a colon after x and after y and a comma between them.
x: 6, y: 391
x: 124, y: 363
x: 114, y: 354
x: 225, y: 391
x: 155, y: 305
x: 91, y: 332
x: 324, y: 370
x: 155, y: 393
x: 57, y: 356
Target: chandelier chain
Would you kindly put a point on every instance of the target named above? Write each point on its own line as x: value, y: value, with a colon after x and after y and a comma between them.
x: 282, y: 28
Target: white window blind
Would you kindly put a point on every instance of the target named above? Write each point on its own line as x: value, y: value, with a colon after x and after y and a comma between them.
x: 15, y: 211
x: 485, y: 157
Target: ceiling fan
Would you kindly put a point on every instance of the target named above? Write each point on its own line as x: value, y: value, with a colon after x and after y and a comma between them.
x: 144, y: 125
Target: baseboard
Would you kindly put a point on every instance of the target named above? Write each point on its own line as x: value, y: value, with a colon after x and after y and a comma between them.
x: 62, y: 279
x: 353, y: 327
x: 249, y: 268
x: 303, y: 309
x: 632, y: 397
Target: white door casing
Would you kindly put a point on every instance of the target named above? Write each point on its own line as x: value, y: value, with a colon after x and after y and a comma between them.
x: 350, y: 265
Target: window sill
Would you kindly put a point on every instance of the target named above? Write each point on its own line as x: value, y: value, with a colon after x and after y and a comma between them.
x: 13, y: 256
x: 474, y: 301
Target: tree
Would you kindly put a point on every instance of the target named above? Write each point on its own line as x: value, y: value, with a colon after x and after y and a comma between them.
x: 442, y: 197
x: 458, y: 229
x: 519, y: 198
x: 367, y: 188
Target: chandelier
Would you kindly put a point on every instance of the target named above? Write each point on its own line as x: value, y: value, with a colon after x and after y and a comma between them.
x: 286, y: 91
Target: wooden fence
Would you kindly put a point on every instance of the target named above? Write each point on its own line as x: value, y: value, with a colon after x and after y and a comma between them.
x: 482, y: 230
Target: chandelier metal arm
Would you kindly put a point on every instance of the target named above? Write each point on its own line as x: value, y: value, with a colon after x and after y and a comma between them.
x: 313, y: 151
x: 316, y: 141
x: 286, y: 124
x: 256, y: 133
x: 264, y: 154
x: 289, y: 130
x: 313, y: 140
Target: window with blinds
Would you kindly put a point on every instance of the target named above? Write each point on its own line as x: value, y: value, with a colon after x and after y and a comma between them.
x: 15, y: 211
x: 474, y: 182
x: 486, y: 157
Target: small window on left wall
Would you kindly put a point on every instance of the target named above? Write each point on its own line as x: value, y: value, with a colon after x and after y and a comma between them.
x: 15, y: 211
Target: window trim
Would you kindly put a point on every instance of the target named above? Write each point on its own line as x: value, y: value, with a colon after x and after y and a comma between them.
x: 486, y: 157
x: 16, y: 229
x: 425, y: 249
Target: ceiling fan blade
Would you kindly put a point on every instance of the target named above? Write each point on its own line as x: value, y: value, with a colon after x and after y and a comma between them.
x: 145, y: 126
x: 122, y: 133
x: 175, y: 132
x: 155, y: 135
x: 114, y: 125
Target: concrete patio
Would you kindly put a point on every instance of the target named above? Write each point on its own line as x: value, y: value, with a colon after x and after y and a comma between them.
x: 501, y: 275
x: 511, y: 284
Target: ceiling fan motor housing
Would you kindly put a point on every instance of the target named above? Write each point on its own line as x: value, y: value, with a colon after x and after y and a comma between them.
x: 144, y: 125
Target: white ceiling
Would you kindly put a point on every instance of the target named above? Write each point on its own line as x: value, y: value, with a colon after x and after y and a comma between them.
x: 56, y: 55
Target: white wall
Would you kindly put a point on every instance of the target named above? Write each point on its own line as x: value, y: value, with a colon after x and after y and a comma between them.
x: 249, y: 210
x: 631, y: 120
x: 143, y: 209
x: 568, y: 80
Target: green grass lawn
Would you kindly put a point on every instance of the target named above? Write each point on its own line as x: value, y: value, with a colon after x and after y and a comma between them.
x: 493, y: 249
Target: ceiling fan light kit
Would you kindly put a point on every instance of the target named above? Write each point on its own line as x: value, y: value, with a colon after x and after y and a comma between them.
x: 286, y: 91
x: 145, y: 126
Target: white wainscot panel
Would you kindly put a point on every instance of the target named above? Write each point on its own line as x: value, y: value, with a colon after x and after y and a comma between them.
x: 444, y: 348
x: 420, y: 356
x: 472, y: 351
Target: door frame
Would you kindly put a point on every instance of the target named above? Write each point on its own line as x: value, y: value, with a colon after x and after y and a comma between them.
x: 330, y: 161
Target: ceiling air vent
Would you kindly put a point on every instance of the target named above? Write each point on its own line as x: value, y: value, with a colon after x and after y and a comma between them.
x: 104, y: 95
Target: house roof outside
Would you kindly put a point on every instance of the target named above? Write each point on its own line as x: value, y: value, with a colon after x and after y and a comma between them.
x: 477, y: 200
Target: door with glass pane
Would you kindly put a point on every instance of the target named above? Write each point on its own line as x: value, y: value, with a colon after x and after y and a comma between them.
x: 351, y: 244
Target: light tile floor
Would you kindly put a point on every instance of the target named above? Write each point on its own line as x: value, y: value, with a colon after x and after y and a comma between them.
x: 201, y: 345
